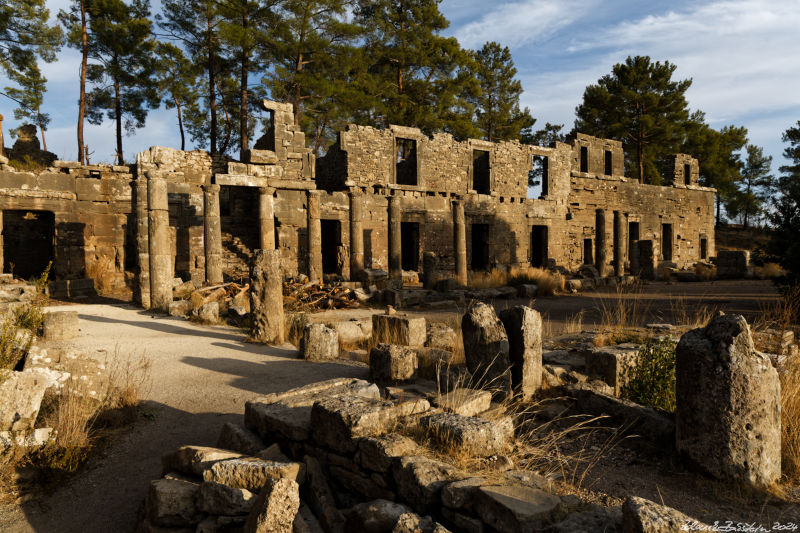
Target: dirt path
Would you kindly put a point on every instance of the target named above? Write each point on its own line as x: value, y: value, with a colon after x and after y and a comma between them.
x: 201, y: 377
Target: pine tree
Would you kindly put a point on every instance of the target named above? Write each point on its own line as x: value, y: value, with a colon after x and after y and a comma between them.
x: 176, y: 78
x: 785, y: 215
x: 640, y: 105
x: 497, y: 112
x: 76, y: 22
x: 30, y: 95
x: 755, y: 187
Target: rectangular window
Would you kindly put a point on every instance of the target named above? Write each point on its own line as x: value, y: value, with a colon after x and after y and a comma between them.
x: 666, y: 242
x: 539, y: 177
x: 480, y: 171
x: 703, y: 248
x: 687, y: 174
x: 584, y: 159
x: 633, y: 236
x: 406, y: 165
x: 588, y: 258
x: 608, y: 166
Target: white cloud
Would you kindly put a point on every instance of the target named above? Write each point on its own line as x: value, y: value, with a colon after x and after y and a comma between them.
x: 519, y: 23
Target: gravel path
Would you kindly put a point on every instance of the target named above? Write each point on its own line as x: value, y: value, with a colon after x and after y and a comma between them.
x: 201, y: 378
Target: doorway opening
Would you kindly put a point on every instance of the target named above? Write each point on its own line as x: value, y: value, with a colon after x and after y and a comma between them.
x: 588, y: 256
x: 480, y: 246
x: 331, y: 233
x: 538, y: 246
x: 28, y: 242
x: 666, y: 242
x: 409, y: 245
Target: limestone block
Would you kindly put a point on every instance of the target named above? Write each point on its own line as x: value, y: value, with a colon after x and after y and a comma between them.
x: 252, y: 473
x: 275, y: 508
x: 235, y: 437
x: 728, y: 403
x: 523, y: 326
x: 486, y: 348
x: 643, y: 516
x: 338, y: 420
x: 459, y: 494
x: 527, y: 290
x: 465, y: 402
x: 431, y: 360
x: 517, y: 508
x: 398, y: 329
x: 269, y: 420
x: 320, y: 498
x: 60, y: 325
x: 376, y: 516
x: 216, y: 498
x: 420, y: 480
x: 478, y: 436
x: 266, y: 297
x: 180, y: 308
x: 612, y: 364
x: 353, y: 331
x: 378, y: 453
x: 21, y: 396
x: 360, y: 485
x: 172, y: 502
x: 414, y: 523
x: 440, y: 336
x: 389, y: 363
x: 208, y: 312
x: 319, y: 343
x: 194, y: 460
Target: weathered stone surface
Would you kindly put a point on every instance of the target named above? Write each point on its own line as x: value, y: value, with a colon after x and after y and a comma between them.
x: 318, y: 494
x: 172, y: 502
x: 216, y: 498
x: 208, y: 313
x: 353, y: 332
x: 60, y: 325
x: 527, y: 290
x: 441, y: 336
x: 275, y: 508
x: 465, y: 402
x: 362, y: 486
x: 266, y: 297
x: 523, y: 326
x: 728, y: 403
x: 28, y: 439
x: 319, y: 343
x: 251, y: 473
x: 601, y: 519
x: 516, y: 508
x: 398, y: 329
x: 612, y: 364
x: 420, y: 480
x: 338, y: 420
x: 486, y: 348
x: 194, y: 460
x: 475, y: 435
x: 430, y: 274
x: 643, y: 516
x: 376, y: 516
x: 21, y: 396
x: 378, y: 453
x: 180, y: 308
x: 277, y: 419
x: 390, y: 363
x: 217, y: 524
x: 413, y: 523
x: 235, y: 437
x: 459, y: 494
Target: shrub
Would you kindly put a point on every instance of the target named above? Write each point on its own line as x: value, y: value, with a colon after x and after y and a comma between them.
x: 651, y: 381
x: 19, y: 328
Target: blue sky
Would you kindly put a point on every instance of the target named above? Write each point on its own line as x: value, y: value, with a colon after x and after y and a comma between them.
x: 743, y: 57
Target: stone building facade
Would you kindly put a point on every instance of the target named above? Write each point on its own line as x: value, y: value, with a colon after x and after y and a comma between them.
x: 378, y: 199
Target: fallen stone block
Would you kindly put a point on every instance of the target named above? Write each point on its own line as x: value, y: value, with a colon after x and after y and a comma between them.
x: 599, y: 519
x: 390, y: 363
x: 643, y: 516
x: 398, y: 329
x: 420, y: 480
x: 486, y: 348
x: 360, y: 485
x: 194, y: 460
x: 430, y: 360
x: 612, y: 364
x: 219, y: 499
x: 353, y: 332
x: 21, y: 396
x: 338, y: 420
x: 251, y: 473
x: 378, y: 453
x: 459, y: 494
x: 440, y: 336
x: 180, y: 308
x: 527, y: 290
x: 465, y: 402
x: 240, y: 439
x: 523, y: 326
x: 376, y: 516
x: 216, y: 524
x: 516, y: 508
x: 172, y: 503
x: 276, y: 419
x: 60, y: 325
x: 474, y: 435
x: 319, y: 343
x: 413, y: 523
x: 275, y: 508
x: 320, y: 499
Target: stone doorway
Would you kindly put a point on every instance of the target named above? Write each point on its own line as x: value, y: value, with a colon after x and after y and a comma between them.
x: 539, y: 246
x: 28, y: 242
x: 331, y: 233
x: 480, y: 247
x: 409, y: 245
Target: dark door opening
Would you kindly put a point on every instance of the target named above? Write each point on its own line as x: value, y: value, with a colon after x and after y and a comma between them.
x: 331, y: 233
x: 588, y: 257
x: 666, y: 242
x: 480, y: 246
x: 28, y: 238
x: 584, y: 159
x: 409, y: 245
x: 633, y: 236
x: 480, y: 172
x: 406, y: 164
x: 703, y: 248
x: 538, y: 246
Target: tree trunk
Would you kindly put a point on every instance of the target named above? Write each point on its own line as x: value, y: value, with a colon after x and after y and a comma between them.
x: 212, y: 99
x: 82, y: 97
x: 180, y: 123
x: 245, y: 142
x: 41, y: 127
x: 118, y: 117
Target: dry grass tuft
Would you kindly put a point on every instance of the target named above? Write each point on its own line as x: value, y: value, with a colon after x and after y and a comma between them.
x: 768, y: 271
x: 691, y: 317
x: 707, y: 271
x: 790, y: 420
x: 620, y: 313
x: 546, y: 281
x: 293, y: 326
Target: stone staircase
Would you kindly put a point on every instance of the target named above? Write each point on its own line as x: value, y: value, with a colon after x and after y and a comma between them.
x: 236, y: 257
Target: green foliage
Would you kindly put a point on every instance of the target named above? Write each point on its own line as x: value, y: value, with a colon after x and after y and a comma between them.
x: 755, y: 188
x: 497, y: 112
x: 57, y: 461
x: 176, y: 79
x: 652, y: 381
x: 14, y: 344
x: 30, y: 96
x: 785, y: 215
x: 27, y: 164
x: 640, y: 105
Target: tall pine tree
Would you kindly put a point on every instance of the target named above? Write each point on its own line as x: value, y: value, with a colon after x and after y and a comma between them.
x: 755, y: 187
x: 785, y: 215
x: 176, y: 78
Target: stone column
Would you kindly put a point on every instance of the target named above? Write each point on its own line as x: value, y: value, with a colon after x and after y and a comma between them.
x: 142, y: 242
x: 430, y: 265
x: 460, y: 242
x: 600, y: 259
x: 619, y: 244
x: 161, y: 261
x: 266, y: 297
x: 212, y: 234
x: 314, y: 237
x: 266, y: 217
x: 356, y: 235
x: 395, y: 245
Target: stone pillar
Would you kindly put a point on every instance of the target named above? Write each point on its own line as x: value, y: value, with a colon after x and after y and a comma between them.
x: 314, y: 237
x: 142, y: 242
x: 161, y: 261
x: 619, y: 244
x: 728, y: 395
x: 430, y: 273
x: 266, y: 297
x: 356, y: 235
x: 524, y: 329
x: 212, y: 235
x: 460, y: 242
x: 266, y: 218
x: 395, y: 245
x: 600, y: 259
